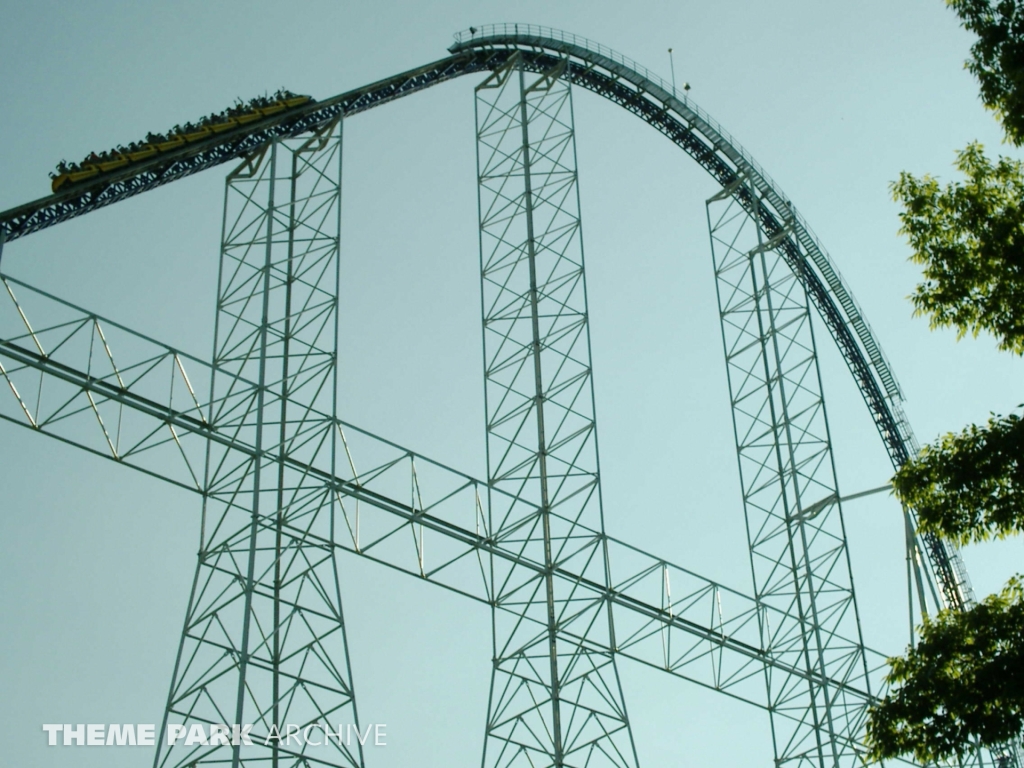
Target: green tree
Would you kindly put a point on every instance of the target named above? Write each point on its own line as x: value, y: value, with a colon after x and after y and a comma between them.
x: 963, y: 683
x: 969, y: 238
x: 997, y: 58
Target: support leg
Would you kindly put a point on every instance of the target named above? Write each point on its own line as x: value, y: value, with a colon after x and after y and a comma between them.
x: 555, y: 694
x: 264, y: 640
x: 795, y: 530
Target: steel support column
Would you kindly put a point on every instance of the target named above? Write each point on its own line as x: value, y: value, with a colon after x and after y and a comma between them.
x: 84, y: 380
x: 264, y: 638
x: 555, y: 694
x: 795, y: 529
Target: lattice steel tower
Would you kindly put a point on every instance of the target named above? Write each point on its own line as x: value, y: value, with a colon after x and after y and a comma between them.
x: 285, y: 484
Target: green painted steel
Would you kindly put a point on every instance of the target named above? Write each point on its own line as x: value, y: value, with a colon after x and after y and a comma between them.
x: 796, y: 537
x: 640, y: 91
x: 264, y: 637
x: 286, y: 485
x: 555, y: 694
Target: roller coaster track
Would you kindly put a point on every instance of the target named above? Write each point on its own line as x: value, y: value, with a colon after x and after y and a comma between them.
x: 635, y: 89
x: 820, y: 677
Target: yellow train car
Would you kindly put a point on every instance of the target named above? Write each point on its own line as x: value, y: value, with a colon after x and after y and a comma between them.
x: 89, y: 170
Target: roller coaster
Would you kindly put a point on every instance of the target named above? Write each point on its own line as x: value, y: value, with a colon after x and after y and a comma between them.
x: 95, y: 168
x: 275, y: 467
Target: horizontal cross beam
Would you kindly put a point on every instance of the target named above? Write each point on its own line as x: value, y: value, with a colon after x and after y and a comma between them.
x: 622, y: 82
x: 100, y: 386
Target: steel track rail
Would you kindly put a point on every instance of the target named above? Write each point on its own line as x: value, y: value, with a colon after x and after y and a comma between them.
x: 633, y: 88
x: 646, y: 95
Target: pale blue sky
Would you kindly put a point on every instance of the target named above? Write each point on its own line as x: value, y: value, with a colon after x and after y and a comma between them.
x: 834, y: 100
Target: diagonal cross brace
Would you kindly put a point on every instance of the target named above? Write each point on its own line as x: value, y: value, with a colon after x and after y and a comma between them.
x: 142, y: 394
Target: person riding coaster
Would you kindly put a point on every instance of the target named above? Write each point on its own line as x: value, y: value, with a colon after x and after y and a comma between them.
x: 239, y: 114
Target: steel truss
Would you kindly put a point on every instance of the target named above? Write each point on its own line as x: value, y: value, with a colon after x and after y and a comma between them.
x: 255, y: 433
x: 264, y: 637
x: 555, y: 694
x: 795, y: 531
x: 92, y: 383
x: 637, y: 90
x: 95, y: 384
